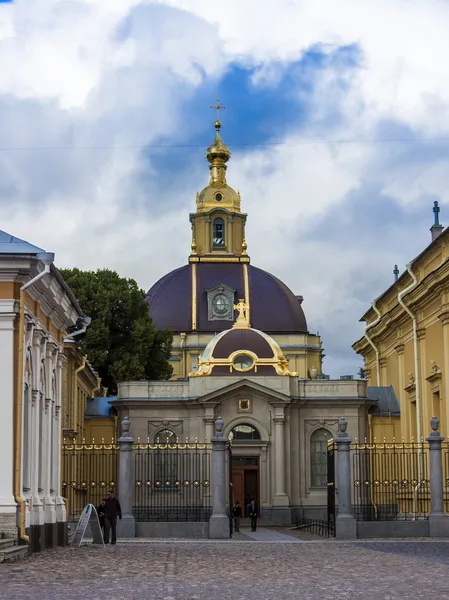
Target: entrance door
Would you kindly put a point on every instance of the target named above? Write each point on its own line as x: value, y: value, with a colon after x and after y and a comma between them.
x: 245, y: 480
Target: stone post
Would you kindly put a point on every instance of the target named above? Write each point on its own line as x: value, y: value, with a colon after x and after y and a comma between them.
x: 345, y: 523
x: 438, y: 521
x: 219, y: 521
x: 126, y: 527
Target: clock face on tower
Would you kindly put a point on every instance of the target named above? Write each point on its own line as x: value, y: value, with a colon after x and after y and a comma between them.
x: 220, y: 304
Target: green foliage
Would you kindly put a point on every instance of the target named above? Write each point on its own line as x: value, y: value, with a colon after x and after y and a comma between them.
x: 122, y: 342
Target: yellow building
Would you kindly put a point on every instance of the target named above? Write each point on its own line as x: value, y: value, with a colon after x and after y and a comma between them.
x: 85, y: 412
x: 197, y: 300
x: 406, y: 341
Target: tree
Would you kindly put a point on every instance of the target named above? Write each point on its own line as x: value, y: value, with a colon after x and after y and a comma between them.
x: 122, y: 342
x: 362, y: 374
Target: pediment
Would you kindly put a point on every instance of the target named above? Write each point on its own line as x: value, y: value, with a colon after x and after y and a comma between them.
x: 245, y: 386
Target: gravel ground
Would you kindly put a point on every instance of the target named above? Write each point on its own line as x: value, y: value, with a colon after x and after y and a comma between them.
x: 237, y: 570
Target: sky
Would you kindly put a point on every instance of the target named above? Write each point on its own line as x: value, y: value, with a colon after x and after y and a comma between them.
x: 337, y: 116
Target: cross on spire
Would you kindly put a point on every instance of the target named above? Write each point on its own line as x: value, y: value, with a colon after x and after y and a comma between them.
x: 218, y: 107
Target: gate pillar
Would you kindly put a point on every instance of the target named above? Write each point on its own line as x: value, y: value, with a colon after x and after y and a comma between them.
x: 219, y: 521
x: 126, y: 527
x: 438, y: 521
x: 345, y: 523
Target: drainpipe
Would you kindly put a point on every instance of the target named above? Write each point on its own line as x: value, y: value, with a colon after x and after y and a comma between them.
x: 417, y: 380
x: 75, y: 395
x: 95, y: 389
x: 47, y: 258
x: 370, y: 341
x: 415, y: 347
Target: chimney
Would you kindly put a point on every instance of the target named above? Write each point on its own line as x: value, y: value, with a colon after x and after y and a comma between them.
x: 436, y: 228
x: 396, y: 272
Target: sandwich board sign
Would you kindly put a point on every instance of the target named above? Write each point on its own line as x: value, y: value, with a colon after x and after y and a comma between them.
x: 89, y: 516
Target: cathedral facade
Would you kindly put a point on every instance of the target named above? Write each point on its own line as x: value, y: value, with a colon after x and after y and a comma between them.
x: 242, y: 350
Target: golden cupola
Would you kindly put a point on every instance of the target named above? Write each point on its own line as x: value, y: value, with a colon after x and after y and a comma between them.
x: 218, y: 225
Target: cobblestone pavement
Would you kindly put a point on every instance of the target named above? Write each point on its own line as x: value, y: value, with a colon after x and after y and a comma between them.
x: 237, y: 570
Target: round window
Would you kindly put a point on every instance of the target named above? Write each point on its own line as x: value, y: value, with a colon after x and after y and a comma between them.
x: 221, y: 304
x: 218, y: 197
x: 243, y: 362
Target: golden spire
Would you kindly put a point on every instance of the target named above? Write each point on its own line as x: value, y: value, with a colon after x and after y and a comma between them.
x: 218, y: 153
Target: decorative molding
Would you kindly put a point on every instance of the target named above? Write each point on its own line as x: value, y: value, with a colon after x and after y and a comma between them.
x: 435, y: 377
x: 382, y: 362
x: 411, y: 388
x: 400, y: 348
x: 171, y: 423
x: 421, y: 333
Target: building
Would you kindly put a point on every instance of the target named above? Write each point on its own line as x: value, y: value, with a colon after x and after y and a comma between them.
x: 86, y: 413
x: 242, y: 350
x: 37, y: 309
x: 406, y: 341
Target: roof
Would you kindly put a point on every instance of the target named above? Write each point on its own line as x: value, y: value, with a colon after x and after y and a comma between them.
x: 274, y: 307
x: 386, y: 403
x: 99, y: 407
x: 14, y: 245
x: 405, y: 274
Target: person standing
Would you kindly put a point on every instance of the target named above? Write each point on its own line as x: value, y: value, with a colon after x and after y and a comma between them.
x: 237, y: 514
x: 101, y: 513
x: 253, y: 514
x: 112, y: 511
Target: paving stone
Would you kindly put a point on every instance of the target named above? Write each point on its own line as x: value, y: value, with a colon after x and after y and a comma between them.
x: 241, y: 570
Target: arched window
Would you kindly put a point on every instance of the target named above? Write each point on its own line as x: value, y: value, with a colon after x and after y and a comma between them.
x: 219, y: 233
x: 318, y: 457
x: 244, y: 432
x: 165, y: 460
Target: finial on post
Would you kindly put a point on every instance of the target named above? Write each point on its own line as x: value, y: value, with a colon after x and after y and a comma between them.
x: 436, y: 212
x: 396, y: 272
x: 125, y: 434
x: 342, y: 427
x: 434, y: 424
x: 219, y: 424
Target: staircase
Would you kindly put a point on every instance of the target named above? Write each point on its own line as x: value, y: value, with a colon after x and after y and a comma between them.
x: 10, y: 550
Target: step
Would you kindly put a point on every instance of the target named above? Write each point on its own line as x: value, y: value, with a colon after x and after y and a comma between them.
x: 12, y: 553
x: 6, y: 542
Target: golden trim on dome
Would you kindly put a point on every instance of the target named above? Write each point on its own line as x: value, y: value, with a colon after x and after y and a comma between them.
x: 194, y: 296
x: 207, y: 361
x: 246, y: 285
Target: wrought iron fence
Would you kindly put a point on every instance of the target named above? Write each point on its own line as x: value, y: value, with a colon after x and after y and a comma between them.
x: 390, y: 481
x: 172, y: 481
x: 89, y: 470
x: 315, y: 527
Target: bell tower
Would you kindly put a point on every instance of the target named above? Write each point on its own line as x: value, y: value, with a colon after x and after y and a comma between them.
x: 218, y: 225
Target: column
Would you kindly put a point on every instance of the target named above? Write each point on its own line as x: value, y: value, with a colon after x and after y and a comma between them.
x: 444, y: 318
x: 383, y: 371
x: 230, y: 236
x: 127, y: 526
x: 438, y: 521
x: 61, y: 513
x: 425, y: 413
x: 47, y: 449
x: 219, y: 522
x: 37, y: 515
x: 345, y: 523
x: 207, y: 236
x: 280, y: 512
x: 401, y: 385
x: 8, y: 507
x: 209, y: 423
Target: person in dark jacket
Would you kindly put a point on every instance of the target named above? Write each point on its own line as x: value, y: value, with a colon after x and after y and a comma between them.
x: 253, y: 514
x: 237, y: 514
x: 101, y: 512
x: 112, y: 511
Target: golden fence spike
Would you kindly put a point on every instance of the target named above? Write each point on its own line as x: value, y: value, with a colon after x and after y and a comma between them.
x: 102, y: 440
x: 138, y: 440
x: 93, y: 440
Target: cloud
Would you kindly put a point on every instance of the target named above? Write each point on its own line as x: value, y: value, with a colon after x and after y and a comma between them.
x: 117, y: 81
